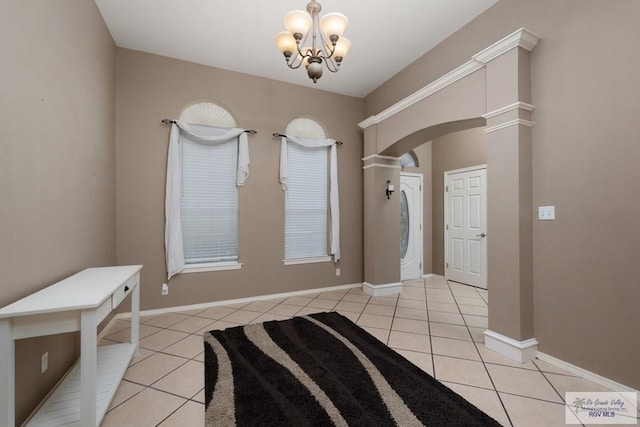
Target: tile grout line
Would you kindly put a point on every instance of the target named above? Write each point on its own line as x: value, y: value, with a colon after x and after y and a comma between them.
x: 362, y: 312
x: 569, y: 375
x: 130, y: 397
x: 395, y: 310
x: 150, y: 385
x: 186, y: 360
x: 177, y: 395
x: 532, y: 398
x: 171, y: 414
x: 564, y: 402
x: 482, y: 360
x: 426, y: 304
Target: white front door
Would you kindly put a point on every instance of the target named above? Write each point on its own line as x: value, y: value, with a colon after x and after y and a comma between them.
x: 466, y: 226
x: 410, y: 226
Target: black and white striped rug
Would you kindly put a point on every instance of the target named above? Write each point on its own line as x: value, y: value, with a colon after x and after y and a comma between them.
x: 321, y: 370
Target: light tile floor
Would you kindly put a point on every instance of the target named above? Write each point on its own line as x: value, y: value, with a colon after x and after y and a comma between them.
x: 437, y: 325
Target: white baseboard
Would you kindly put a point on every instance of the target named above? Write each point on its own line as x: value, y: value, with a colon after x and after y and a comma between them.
x: 587, y: 375
x: 520, y: 351
x: 382, y: 290
x: 432, y: 275
x: 235, y: 301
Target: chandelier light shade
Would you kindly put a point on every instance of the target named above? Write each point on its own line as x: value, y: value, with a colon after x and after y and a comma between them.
x: 298, y: 22
x: 334, y: 24
x: 326, y: 45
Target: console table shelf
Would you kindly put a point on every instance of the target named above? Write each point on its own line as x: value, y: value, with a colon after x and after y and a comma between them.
x: 78, y: 303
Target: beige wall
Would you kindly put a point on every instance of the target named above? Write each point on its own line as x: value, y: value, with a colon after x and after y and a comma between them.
x: 150, y: 88
x: 454, y: 151
x: 585, y: 148
x: 57, y: 164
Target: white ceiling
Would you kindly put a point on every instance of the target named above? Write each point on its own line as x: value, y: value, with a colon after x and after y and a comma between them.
x: 238, y: 35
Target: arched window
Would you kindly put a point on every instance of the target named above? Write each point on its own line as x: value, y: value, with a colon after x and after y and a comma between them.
x: 209, y: 201
x: 305, y: 127
x: 307, y: 195
x: 409, y: 159
x: 208, y: 114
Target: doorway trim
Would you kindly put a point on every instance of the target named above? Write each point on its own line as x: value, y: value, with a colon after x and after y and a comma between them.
x: 420, y: 230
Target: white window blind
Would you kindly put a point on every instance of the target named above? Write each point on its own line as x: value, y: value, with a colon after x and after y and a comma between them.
x: 209, y: 202
x: 306, y: 214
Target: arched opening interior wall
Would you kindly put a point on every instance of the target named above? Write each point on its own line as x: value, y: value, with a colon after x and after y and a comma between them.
x: 460, y: 102
x: 493, y: 88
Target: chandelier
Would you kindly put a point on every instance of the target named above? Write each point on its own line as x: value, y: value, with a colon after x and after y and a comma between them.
x: 327, y: 44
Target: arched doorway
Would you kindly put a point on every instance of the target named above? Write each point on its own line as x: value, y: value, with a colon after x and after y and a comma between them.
x: 492, y: 90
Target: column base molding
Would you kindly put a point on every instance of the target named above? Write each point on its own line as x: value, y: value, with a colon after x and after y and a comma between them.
x: 520, y: 351
x: 432, y: 275
x: 382, y: 290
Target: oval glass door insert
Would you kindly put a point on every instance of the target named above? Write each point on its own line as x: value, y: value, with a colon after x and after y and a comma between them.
x: 404, y: 225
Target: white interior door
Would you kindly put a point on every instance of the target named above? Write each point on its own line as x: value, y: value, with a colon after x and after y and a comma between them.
x: 466, y: 226
x: 410, y: 226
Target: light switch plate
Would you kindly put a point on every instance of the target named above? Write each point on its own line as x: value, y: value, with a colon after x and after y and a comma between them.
x: 546, y: 213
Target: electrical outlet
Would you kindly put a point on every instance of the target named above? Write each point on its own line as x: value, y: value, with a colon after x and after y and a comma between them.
x: 337, y: 271
x: 44, y: 362
x: 165, y: 289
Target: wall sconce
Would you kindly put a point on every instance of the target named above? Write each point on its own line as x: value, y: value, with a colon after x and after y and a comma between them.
x: 390, y: 189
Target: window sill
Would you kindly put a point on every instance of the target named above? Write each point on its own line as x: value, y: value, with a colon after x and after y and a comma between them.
x: 296, y: 261
x: 211, y: 266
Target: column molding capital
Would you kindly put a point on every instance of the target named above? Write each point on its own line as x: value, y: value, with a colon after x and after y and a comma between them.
x: 380, y: 161
x: 508, y: 108
x: 508, y: 124
x: 522, y: 38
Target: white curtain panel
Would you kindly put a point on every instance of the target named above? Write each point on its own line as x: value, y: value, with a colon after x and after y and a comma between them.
x: 173, y: 241
x: 334, y: 202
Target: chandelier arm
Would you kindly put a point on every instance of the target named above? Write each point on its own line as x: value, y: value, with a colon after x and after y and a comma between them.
x: 301, y: 43
x: 327, y: 44
x: 299, y: 58
x: 292, y: 66
x: 331, y: 65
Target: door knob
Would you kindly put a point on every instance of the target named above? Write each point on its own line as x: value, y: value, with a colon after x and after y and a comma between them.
x: 481, y: 235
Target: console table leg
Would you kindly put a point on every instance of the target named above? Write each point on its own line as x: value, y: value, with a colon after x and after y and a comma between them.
x: 135, y: 317
x: 88, y: 367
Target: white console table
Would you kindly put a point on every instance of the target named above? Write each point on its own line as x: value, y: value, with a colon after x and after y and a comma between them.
x: 78, y: 303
